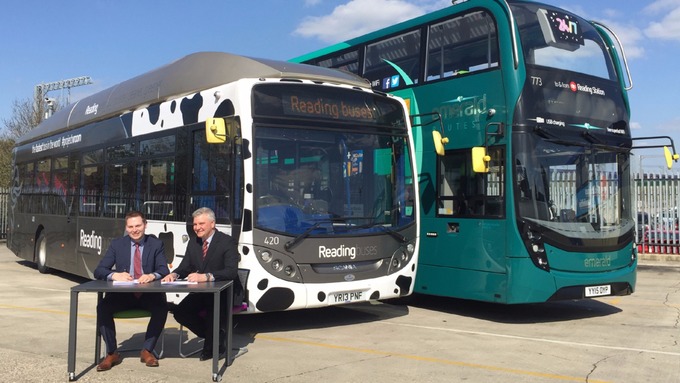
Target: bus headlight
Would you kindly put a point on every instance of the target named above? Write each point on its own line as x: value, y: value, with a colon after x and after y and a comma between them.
x: 277, y: 264
x: 395, y: 264
x: 265, y: 256
x: 533, y: 240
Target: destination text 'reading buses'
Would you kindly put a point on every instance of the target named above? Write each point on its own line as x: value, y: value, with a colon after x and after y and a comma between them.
x: 529, y: 199
x: 308, y: 168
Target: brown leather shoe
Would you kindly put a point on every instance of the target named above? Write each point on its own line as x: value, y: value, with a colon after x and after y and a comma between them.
x: 148, y: 358
x: 108, y: 362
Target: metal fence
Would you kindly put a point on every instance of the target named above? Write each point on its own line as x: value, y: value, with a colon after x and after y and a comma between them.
x: 4, y: 206
x: 657, y: 197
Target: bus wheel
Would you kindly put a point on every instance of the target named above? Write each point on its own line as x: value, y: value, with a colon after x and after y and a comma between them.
x: 41, y: 254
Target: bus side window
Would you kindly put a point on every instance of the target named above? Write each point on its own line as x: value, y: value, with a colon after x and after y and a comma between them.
x: 461, y: 45
x: 90, y: 197
x: 347, y: 61
x: 119, y: 180
x: 158, y: 198
x: 462, y: 192
x: 27, y: 178
x: 212, y: 177
x: 403, y: 52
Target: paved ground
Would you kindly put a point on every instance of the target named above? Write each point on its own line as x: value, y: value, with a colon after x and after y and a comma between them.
x: 422, y: 339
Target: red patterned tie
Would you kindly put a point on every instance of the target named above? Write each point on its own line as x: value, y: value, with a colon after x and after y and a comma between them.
x: 205, y: 249
x: 138, y: 261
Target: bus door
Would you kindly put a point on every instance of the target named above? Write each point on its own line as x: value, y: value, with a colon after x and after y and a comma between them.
x: 468, y: 228
x: 62, y: 246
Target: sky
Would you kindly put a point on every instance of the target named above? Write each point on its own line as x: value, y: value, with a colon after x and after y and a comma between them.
x: 113, y: 40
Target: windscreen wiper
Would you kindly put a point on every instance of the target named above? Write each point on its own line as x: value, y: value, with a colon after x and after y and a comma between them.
x: 594, y: 141
x: 387, y: 230
x: 302, y: 236
x: 306, y: 233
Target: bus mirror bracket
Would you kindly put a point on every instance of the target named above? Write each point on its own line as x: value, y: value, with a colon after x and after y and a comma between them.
x: 499, y: 131
x: 668, y: 155
x: 438, y: 137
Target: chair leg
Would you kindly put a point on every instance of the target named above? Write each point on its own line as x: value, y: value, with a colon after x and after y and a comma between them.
x: 180, y: 345
x: 239, y: 352
x: 160, y: 354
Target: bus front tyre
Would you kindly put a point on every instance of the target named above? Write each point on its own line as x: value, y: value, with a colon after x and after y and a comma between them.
x: 41, y: 254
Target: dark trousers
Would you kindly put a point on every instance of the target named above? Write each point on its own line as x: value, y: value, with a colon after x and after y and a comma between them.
x: 155, y: 303
x: 195, y: 312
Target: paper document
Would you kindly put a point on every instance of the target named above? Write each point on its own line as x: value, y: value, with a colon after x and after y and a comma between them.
x: 125, y: 283
x: 179, y: 283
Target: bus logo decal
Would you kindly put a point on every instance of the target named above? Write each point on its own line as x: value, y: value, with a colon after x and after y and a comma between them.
x: 591, y: 262
x: 567, y: 25
x: 91, y: 241
x: 92, y: 109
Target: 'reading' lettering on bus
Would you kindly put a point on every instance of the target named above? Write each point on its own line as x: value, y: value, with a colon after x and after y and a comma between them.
x: 321, y: 107
x: 348, y: 252
x: 91, y: 241
x: 337, y: 252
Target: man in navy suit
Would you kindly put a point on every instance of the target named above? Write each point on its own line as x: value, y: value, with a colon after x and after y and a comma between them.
x: 136, y: 256
x: 211, y: 256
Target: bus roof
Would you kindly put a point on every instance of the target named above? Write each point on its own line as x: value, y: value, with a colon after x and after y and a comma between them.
x: 187, y: 75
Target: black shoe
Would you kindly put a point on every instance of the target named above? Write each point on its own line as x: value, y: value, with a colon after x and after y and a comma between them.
x: 207, y: 354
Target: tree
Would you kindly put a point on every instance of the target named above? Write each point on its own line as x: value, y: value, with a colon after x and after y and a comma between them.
x: 23, y: 119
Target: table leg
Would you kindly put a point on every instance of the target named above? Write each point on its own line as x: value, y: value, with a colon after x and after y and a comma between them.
x: 72, y: 333
x: 98, y: 334
x: 230, y: 323
x: 216, y: 337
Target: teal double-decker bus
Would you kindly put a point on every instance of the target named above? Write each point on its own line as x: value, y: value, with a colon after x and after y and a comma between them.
x: 523, y: 147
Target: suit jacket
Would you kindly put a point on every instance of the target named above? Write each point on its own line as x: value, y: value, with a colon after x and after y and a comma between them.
x: 118, y: 254
x: 221, y: 260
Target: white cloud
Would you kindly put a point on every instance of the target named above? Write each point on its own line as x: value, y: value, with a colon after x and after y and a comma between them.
x: 631, y: 38
x: 358, y: 17
x: 662, y: 5
x: 669, y: 26
x: 634, y: 125
x: 670, y: 126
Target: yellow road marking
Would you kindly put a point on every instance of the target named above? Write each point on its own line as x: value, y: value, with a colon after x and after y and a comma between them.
x: 428, y: 359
